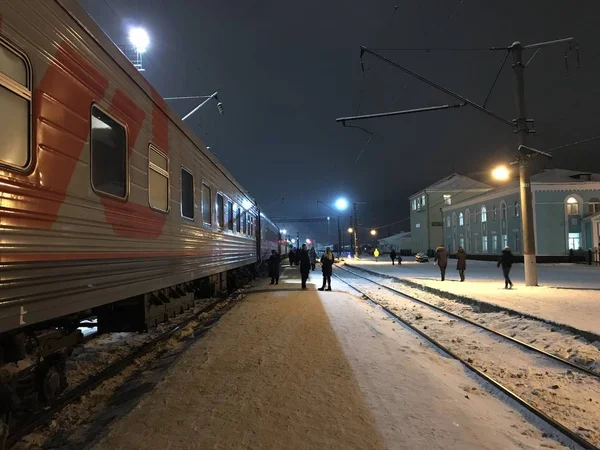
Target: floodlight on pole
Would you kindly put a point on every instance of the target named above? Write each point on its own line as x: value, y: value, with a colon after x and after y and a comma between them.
x: 341, y: 204
x: 501, y: 173
x: 284, y: 232
x: 350, y: 230
x: 139, y: 39
x: 373, y: 232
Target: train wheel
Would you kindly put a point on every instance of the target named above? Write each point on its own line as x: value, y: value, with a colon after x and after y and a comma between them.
x: 52, y: 381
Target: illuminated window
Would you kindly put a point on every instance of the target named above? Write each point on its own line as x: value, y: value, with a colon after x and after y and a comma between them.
x: 158, y: 179
x: 447, y: 199
x: 423, y: 200
x: 484, y: 242
x: 517, y: 209
x: 15, y: 108
x: 503, y: 210
x: 220, y: 211
x: 483, y: 214
x: 574, y: 241
x: 572, y: 206
x: 461, y: 219
x: 594, y: 205
x: 494, y: 213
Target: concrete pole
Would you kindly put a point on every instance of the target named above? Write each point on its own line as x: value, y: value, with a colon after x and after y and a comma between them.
x: 355, y: 228
x: 529, y: 252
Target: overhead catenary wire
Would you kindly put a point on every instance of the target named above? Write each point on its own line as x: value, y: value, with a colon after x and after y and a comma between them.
x: 496, y: 79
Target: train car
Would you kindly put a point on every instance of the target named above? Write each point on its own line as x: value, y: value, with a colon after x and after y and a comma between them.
x: 270, y: 238
x: 108, y: 203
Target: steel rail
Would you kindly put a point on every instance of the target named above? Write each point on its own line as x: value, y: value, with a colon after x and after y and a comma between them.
x: 483, y: 327
x: 564, y: 430
x: 42, y: 417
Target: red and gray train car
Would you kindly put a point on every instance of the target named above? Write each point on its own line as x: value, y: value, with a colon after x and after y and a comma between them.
x: 108, y: 203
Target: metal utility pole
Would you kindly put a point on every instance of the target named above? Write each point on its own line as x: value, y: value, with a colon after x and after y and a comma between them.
x: 529, y: 253
x: 355, y: 229
x: 340, y: 242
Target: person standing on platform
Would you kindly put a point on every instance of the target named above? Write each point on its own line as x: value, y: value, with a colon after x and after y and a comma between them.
x: 461, y: 263
x: 304, y: 265
x: 441, y: 258
x: 376, y: 255
x: 273, y: 262
x: 296, y: 256
x: 327, y: 265
x: 393, y: 256
x: 312, y: 253
x: 506, y: 261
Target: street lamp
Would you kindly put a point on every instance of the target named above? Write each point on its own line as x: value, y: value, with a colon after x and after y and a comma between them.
x: 373, y: 232
x: 284, y: 232
x: 139, y: 39
x: 501, y: 173
x: 350, y: 230
x: 341, y: 204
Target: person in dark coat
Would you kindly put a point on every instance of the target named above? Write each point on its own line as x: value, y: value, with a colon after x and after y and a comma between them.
x: 296, y: 256
x: 393, y: 256
x: 304, y: 265
x: 441, y: 258
x: 461, y: 262
x: 312, y: 253
x: 273, y: 262
x: 327, y: 265
x: 291, y: 257
x: 506, y: 261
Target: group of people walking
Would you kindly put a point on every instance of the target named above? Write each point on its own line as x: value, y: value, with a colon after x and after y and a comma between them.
x: 441, y: 259
x: 307, y: 260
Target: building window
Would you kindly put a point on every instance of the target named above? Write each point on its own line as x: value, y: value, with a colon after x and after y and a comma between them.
x: 503, y: 211
x: 484, y: 244
x: 238, y: 219
x: 187, y: 194
x: 447, y: 199
x: 461, y: 242
x: 220, y: 211
x: 230, y: 216
x: 483, y: 214
x: 494, y: 243
x: 475, y: 216
x: 414, y: 204
x: 108, y: 147
x: 504, y: 240
x: 461, y: 219
x: 517, y: 209
x: 206, y: 205
x: 572, y: 206
x: 419, y: 203
x: 158, y: 179
x: 448, y: 221
x: 594, y: 205
x: 494, y: 213
x: 418, y: 225
x: 15, y: 108
x: 423, y: 200
x: 574, y: 241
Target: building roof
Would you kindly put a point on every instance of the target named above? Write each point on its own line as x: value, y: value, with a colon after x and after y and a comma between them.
x: 403, y: 234
x: 454, y: 182
x: 545, y: 177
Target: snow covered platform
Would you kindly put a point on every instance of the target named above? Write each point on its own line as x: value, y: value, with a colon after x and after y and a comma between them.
x: 567, y: 295
x: 292, y: 369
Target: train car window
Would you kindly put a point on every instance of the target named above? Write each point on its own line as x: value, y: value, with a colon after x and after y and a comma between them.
x: 244, y: 223
x: 238, y: 219
x: 158, y: 179
x: 15, y: 108
x: 230, y: 216
x: 108, y: 147
x: 220, y: 211
x: 206, y: 205
x: 187, y: 194
x: 250, y: 225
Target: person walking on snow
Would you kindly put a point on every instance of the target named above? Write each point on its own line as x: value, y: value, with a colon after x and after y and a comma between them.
x: 393, y: 256
x: 441, y: 258
x: 304, y: 260
x: 312, y: 253
x: 461, y: 263
x: 273, y: 262
x: 376, y: 254
x: 291, y: 257
x: 327, y: 266
x: 506, y: 261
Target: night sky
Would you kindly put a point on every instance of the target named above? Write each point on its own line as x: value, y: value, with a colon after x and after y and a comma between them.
x: 285, y: 70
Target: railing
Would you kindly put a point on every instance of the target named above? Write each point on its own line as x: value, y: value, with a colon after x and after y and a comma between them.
x: 590, y: 257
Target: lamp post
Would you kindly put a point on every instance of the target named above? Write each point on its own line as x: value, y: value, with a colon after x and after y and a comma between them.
x: 340, y: 205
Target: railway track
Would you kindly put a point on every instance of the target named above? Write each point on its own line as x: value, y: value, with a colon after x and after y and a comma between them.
x: 468, y: 363
x: 40, y: 418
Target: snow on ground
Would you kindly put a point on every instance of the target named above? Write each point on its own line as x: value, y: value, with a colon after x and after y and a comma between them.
x: 577, y: 308
x: 304, y: 370
x: 570, y: 397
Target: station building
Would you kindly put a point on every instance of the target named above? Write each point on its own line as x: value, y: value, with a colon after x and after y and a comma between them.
x: 398, y: 242
x: 566, y: 216
x: 426, y: 221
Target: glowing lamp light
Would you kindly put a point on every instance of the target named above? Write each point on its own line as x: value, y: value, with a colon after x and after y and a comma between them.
x: 284, y: 231
x: 501, y: 173
x: 350, y: 230
x: 373, y: 232
x: 293, y: 241
x: 341, y: 204
x: 308, y: 241
x: 139, y: 39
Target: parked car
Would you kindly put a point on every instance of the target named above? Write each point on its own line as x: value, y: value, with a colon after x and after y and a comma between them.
x: 421, y: 257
